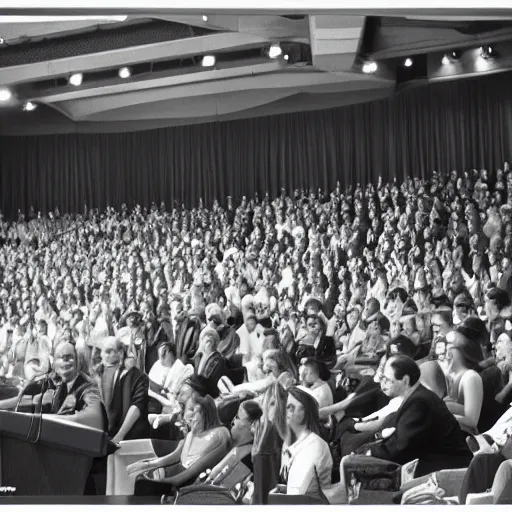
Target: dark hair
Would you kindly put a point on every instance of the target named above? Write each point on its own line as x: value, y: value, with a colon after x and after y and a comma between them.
x: 500, y: 297
x: 168, y: 347
x: 404, y: 345
x: 209, y: 411
x: 253, y: 410
x: 445, y: 314
x: 311, y: 411
x: 480, y: 329
x: 398, y: 292
x: 403, y: 365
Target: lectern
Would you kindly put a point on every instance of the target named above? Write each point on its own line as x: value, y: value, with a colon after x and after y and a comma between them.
x: 47, y: 456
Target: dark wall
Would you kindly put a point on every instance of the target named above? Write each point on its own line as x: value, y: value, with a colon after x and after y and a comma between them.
x: 454, y: 125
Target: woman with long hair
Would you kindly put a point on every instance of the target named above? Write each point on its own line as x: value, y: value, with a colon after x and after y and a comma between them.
x: 268, y: 440
x: 203, y: 447
x: 306, y: 462
x: 465, y: 387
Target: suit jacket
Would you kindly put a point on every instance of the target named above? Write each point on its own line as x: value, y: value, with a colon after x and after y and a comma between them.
x: 130, y: 388
x: 425, y: 430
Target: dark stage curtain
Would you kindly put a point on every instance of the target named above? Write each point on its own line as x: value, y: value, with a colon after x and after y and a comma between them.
x: 455, y: 125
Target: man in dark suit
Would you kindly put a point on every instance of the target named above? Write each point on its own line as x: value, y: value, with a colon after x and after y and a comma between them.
x: 124, y: 393
x: 422, y: 428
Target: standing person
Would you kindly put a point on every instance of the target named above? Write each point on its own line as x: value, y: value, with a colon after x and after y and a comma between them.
x: 124, y: 393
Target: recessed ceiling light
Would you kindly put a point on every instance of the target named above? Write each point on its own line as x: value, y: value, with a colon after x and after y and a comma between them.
x: 487, y: 52
x: 369, y: 67
x: 205, y: 18
x: 5, y: 94
x: 125, y: 72
x: 274, y: 51
x: 286, y: 57
x: 29, y: 106
x: 408, y: 63
x: 208, y: 61
x: 76, y: 79
x: 2, y: 40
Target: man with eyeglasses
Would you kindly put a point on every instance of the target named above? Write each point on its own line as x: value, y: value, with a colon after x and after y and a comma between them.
x: 422, y: 428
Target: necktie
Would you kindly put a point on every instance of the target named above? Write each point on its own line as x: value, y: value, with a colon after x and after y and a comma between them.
x: 60, y: 396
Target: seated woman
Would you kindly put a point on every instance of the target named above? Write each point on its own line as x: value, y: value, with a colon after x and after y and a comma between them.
x: 465, y: 387
x: 119, y: 481
x: 277, y: 366
x: 268, y: 441
x: 306, y: 462
x: 203, y: 447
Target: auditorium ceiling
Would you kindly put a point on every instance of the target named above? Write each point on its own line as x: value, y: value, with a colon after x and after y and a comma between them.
x: 113, y: 72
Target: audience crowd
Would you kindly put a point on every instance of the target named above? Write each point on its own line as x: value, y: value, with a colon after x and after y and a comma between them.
x: 314, y: 345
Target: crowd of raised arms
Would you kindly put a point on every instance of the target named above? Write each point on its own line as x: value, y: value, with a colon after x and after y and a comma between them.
x: 318, y: 339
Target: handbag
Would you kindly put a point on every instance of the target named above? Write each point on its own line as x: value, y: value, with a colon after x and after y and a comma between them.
x: 229, y: 477
x: 202, y: 494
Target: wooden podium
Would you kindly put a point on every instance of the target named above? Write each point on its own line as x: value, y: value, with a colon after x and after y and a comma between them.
x: 47, y: 456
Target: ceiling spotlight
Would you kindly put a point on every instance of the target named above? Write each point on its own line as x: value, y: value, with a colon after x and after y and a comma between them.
x: 408, y: 63
x: 29, y: 106
x: 445, y: 60
x: 2, y: 40
x: 205, y: 18
x: 274, y: 51
x: 486, y: 52
x: 125, y: 73
x: 5, y: 94
x: 286, y: 57
x: 76, y: 79
x: 451, y: 57
x: 208, y: 61
x: 369, y: 67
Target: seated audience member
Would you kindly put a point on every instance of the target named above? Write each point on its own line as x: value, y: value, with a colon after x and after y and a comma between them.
x: 306, y: 462
x: 203, y: 447
x: 37, y: 353
x: 465, y: 387
x: 242, y: 438
x: 209, y: 362
x: 423, y: 428
x: 320, y: 339
x: 194, y: 387
x: 482, y: 473
x: 268, y: 441
x: 167, y: 374
x: 251, y: 345
x: 315, y: 377
x: 124, y: 393
x: 497, y: 308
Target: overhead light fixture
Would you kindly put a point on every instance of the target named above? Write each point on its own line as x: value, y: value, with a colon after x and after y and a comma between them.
x: 487, y: 52
x: 286, y: 57
x: 369, y: 67
x: 29, y: 106
x: 408, y: 62
x: 2, y: 40
x: 274, y: 51
x: 208, y: 61
x: 125, y: 72
x: 445, y: 60
x: 76, y: 79
x: 205, y: 18
x: 5, y: 94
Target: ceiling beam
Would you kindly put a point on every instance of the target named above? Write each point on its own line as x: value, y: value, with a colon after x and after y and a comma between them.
x: 84, y: 107
x: 167, y: 50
